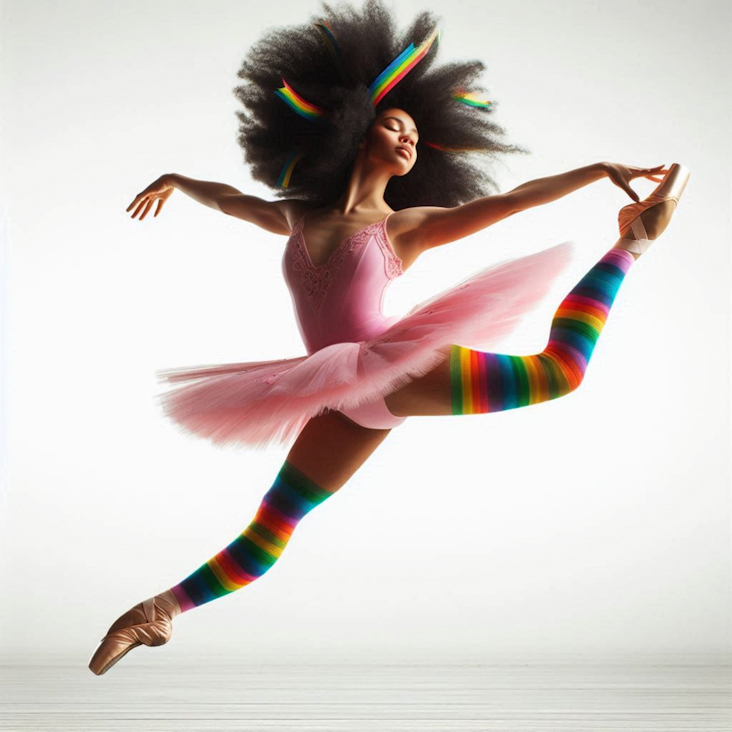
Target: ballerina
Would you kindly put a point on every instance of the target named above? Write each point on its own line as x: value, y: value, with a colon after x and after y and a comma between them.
x: 373, y: 174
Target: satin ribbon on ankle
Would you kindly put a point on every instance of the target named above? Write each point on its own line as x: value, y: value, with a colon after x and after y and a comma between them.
x: 641, y: 243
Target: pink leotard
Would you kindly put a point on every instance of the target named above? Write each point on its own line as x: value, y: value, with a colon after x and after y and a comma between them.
x: 341, y: 300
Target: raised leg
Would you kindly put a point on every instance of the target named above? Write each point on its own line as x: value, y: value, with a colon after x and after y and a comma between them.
x: 472, y: 381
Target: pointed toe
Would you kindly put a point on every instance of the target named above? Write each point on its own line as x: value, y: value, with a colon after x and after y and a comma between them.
x: 148, y: 623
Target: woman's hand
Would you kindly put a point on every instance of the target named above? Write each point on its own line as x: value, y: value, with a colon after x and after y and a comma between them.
x: 159, y: 190
x: 621, y: 175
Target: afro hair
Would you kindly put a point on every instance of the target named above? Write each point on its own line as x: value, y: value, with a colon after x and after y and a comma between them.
x: 331, y: 63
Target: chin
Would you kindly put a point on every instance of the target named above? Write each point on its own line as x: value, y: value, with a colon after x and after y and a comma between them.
x: 399, y: 172
x: 404, y: 169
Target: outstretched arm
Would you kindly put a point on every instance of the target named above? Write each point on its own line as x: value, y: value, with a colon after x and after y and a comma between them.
x: 206, y: 192
x: 424, y: 227
x: 274, y: 216
x: 545, y: 190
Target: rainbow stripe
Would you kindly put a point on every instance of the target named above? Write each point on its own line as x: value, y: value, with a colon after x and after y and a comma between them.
x: 331, y: 44
x: 400, y: 67
x: 471, y: 99
x: 483, y: 382
x: 259, y: 546
x: 445, y: 148
x: 284, y: 180
x: 297, y: 103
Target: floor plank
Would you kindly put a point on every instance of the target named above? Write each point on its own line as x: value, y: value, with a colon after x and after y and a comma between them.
x: 148, y: 696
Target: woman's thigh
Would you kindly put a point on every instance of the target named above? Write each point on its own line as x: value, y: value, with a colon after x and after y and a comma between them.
x: 331, y: 448
x: 428, y: 395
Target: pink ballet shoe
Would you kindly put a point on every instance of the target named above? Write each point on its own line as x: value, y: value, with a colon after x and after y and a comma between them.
x: 629, y: 217
x: 147, y: 623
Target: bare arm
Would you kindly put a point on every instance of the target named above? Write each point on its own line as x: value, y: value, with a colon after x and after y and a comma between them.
x: 205, y: 192
x: 545, y: 190
x: 425, y: 227
x: 274, y: 216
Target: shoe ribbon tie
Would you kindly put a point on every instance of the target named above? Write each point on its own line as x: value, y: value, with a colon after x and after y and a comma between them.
x: 641, y: 242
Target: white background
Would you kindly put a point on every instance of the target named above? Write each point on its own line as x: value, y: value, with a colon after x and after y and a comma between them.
x: 593, y: 525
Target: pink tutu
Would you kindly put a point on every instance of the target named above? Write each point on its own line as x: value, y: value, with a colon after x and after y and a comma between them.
x: 257, y: 403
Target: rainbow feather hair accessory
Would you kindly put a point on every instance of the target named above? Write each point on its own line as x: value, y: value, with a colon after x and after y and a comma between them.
x: 471, y: 99
x: 445, y: 148
x: 400, y: 67
x: 284, y: 180
x: 379, y: 87
x: 298, y: 104
x: 331, y: 44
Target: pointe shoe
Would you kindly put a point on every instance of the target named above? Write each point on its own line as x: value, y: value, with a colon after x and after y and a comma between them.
x: 629, y: 217
x: 147, y: 623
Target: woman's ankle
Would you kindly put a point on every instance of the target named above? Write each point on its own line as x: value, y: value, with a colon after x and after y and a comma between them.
x: 170, y: 602
x: 627, y: 246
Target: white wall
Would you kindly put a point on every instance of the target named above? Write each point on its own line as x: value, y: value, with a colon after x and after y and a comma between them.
x: 597, y: 524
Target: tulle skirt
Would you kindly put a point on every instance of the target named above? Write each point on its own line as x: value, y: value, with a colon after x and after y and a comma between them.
x: 258, y: 403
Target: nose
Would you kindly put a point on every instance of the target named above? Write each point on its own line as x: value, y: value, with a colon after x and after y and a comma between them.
x: 406, y: 139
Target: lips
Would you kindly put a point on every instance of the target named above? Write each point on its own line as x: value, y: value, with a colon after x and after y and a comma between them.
x: 406, y: 149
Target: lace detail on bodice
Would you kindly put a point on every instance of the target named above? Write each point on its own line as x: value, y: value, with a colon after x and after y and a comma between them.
x: 316, y: 280
x: 391, y: 261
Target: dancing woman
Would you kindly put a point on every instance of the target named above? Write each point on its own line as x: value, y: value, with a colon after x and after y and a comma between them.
x: 372, y: 151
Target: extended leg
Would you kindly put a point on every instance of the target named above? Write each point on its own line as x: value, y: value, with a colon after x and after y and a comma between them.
x: 326, y: 453
x: 490, y: 382
x: 259, y: 546
x: 473, y: 381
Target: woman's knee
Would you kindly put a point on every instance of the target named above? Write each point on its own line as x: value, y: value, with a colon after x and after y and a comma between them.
x: 564, y: 371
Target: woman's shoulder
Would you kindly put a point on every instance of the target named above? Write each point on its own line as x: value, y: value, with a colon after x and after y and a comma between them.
x: 406, y: 231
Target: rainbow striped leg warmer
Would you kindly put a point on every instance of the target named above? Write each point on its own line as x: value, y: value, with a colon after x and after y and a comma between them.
x: 259, y: 546
x: 491, y: 382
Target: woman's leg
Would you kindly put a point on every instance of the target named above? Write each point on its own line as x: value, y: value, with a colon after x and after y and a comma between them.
x: 326, y: 453
x: 490, y: 382
x: 472, y: 381
x: 328, y: 450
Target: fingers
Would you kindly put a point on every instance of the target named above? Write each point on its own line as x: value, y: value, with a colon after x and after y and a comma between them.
x: 656, y: 174
x: 145, y: 204
x: 150, y: 202
x: 139, y: 208
x: 158, y: 191
x: 650, y: 171
x: 137, y: 198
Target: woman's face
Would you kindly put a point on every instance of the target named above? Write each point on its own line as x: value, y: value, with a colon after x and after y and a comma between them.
x: 391, y: 130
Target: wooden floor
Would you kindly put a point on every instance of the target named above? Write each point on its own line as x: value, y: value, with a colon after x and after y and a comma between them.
x: 208, y: 695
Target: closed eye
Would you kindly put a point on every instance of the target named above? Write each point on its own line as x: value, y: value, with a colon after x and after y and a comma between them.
x: 399, y: 129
